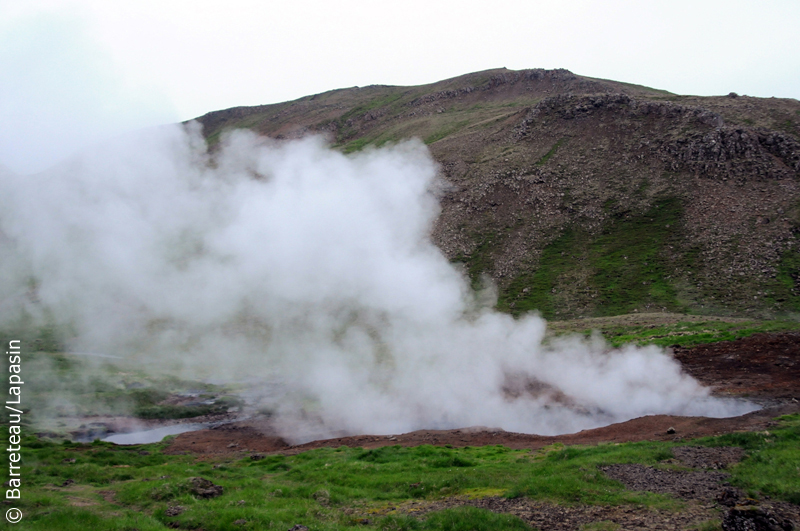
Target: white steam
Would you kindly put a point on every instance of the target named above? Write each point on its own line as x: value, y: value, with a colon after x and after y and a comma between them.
x: 310, y: 274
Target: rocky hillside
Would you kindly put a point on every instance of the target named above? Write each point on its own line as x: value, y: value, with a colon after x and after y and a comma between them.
x: 585, y: 197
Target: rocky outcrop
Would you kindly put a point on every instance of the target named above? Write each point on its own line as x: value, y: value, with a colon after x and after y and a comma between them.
x: 684, y: 138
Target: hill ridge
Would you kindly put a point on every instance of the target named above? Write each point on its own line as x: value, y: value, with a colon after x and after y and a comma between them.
x: 588, y: 197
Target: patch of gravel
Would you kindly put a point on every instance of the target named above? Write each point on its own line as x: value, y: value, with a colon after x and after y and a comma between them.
x: 551, y: 517
x: 714, y: 458
x: 705, y: 486
x: 546, y: 516
x: 686, y: 485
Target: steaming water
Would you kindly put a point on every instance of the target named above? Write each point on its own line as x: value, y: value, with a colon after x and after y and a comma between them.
x: 153, y: 436
x: 296, y: 264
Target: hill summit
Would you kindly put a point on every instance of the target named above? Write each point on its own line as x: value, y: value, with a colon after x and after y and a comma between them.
x: 584, y: 197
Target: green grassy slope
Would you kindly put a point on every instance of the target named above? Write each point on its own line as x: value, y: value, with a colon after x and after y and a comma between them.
x: 69, y: 486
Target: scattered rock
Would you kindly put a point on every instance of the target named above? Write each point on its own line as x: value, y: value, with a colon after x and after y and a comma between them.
x: 240, y: 521
x: 69, y: 460
x: 257, y: 457
x: 727, y: 497
x: 203, y: 488
x: 298, y: 527
x: 752, y: 518
x: 714, y: 458
x: 686, y: 485
x: 175, y: 510
x: 556, y: 517
x: 68, y: 482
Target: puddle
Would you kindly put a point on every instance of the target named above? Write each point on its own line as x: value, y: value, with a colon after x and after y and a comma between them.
x: 152, y: 436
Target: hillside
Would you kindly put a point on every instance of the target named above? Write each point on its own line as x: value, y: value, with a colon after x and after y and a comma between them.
x: 583, y: 197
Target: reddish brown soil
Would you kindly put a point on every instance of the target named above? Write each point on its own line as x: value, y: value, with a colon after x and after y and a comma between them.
x: 764, y: 368
x: 226, y: 439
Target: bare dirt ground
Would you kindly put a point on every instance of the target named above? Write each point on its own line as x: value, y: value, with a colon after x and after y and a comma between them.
x: 763, y: 367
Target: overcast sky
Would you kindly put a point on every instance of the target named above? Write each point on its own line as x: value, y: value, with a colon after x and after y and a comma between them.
x: 72, y: 72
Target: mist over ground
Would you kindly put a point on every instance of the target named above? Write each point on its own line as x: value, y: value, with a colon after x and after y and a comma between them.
x: 310, y: 275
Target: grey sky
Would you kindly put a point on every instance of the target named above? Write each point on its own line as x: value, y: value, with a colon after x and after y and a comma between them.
x: 75, y: 71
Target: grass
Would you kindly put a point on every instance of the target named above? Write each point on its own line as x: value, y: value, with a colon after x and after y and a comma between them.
x: 772, y: 466
x: 480, y: 260
x: 445, y: 131
x: 125, y: 488
x: 550, y: 153
x: 356, y: 145
x: 383, y: 100
x: 458, y: 519
x: 786, y: 288
x: 682, y: 333
x: 626, y: 267
x: 533, y: 290
x: 629, y: 263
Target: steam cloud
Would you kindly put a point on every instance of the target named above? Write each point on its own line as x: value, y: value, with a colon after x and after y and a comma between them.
x: 311, y: 275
